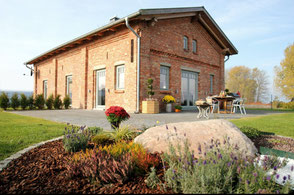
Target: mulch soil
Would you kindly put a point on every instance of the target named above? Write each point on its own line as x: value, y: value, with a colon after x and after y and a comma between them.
x: 42, y: 171
x: 275, y: 142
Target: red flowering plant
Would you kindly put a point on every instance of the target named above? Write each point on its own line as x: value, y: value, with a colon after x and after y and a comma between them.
x: 115, y: 115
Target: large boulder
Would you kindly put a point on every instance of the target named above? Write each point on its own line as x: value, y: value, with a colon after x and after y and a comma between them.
x: 199, y: 133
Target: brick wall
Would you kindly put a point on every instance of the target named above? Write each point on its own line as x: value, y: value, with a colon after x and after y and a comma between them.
x: 161, y: 43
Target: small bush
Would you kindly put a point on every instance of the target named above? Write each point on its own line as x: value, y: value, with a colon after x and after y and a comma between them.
x: 31, y: 102
x: 57, y: 102
x: 75, y: 138
x: 102, y: 139
x: 49, y: 102
x: 251, y: 132
x: 100, y: 166
x: 4, y: 101
x: 66, y: 101
x: 95, y: 130
x: 23, y: 101
x: 39, y: 101
x: 152, y: 180
x: 14, y: 101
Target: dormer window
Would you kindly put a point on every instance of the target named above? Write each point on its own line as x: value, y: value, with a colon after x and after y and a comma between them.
x: 185, y: 41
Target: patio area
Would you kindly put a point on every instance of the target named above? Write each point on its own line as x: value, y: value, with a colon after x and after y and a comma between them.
x: 97, y: 118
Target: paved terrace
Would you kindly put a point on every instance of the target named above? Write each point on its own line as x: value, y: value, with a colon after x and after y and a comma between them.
x: 97, y: 118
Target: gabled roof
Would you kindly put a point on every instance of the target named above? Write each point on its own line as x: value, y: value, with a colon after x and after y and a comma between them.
x: 199, y: 13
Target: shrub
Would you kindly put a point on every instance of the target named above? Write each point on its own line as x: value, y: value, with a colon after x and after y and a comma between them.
x: 152, y: 180
x: 4, y: 101
x: 250, y: 132
x: 39, y: 101
x: 14, y: 101
x: 102, y: 139
x: 57, y: 102
x: 23, y: 101
x: 115, y: 115
x: 123, y: 133
x: 31, y: 102
x: 75, y: 138
x: 95, y: 130
x: 100, y: 166
x: 223, y: 170
x: 66, y: 101
x: 49, y: 102
x: 178, y: 107
x: 150, y: 91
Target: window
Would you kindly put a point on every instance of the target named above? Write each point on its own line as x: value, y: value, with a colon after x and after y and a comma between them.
x: 194, y: 46
x: 120, y: 77
x: 185, y: 39
x: 211, y: 84
x: 69, y: 86
x: 164, y: 78
x: 45, y: 87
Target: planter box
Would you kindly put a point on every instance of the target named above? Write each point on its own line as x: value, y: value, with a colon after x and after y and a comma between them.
x: 150, y: 107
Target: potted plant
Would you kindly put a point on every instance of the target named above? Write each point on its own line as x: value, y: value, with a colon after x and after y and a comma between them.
x: 150, y: 105
x: 178, y: 108
x: 115, y: 115
x: 168, y: 100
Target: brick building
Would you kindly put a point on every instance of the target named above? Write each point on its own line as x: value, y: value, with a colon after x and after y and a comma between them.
x: 182, y: 49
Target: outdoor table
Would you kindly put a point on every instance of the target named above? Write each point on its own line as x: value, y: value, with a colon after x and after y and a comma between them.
x: 203, y: 109
x: 225, y: 100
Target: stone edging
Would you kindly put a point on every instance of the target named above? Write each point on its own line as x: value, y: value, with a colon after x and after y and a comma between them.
x: 6, y: 161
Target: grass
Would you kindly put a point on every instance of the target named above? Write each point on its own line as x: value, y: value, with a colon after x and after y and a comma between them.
x: 280, y: 124
x: 18, y: 132
x: 274, y: 109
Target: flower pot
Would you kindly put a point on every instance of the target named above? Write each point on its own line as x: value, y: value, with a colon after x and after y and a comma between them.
x: 169, y: 107
x: 150, y: 107
x: 177, y: 110
x: 114, y: 125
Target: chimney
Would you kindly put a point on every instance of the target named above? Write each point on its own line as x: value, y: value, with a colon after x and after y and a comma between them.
x: 113, y: 19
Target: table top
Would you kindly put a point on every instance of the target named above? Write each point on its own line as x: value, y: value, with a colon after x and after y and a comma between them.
x: 224, y: 98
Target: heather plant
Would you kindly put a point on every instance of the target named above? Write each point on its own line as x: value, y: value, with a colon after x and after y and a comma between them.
x: 4, y: 101
x: 31, y: 102
x: 222, y: 170
x: 66, y: 102
x: 100, y: 166
x: 57, y: 103
x: 49, y: 102
x: 75, y: 138
x: 251, y: 132
x: 39, y: 101
x: 14, y: 101
x: 23, y: 101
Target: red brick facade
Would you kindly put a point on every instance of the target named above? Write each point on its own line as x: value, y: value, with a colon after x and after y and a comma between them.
x: 161, y: 43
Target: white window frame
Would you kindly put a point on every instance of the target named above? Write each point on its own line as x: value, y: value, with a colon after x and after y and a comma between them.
x: 166, y: 78
x: 194, y: 46
x: 118, y: 84
x: 45, y: 89
x: 211, y: 78
x: 185, y: 42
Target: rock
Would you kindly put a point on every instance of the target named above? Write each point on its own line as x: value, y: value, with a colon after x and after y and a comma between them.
x: 157, y: 139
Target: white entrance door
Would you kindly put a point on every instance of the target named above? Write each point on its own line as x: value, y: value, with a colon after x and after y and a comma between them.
x: 189, y: 89
x: 100, y: 89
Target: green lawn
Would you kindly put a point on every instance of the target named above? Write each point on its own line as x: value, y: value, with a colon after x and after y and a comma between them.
x: 280, y: 124
x: 18, y: 132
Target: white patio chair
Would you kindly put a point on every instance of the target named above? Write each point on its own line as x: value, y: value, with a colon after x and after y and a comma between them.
x: 238, y: 103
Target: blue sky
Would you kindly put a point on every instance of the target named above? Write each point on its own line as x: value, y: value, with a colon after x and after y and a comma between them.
x: 259, y: 29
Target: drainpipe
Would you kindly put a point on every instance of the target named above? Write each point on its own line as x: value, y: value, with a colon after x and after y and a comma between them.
x: 228, y: 57
x: 32, y: 70
x: 138, y: 64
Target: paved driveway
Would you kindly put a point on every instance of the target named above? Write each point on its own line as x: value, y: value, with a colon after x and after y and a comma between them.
x: 97, y: 118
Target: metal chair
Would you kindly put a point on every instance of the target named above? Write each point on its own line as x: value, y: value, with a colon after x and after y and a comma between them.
x: 238, y: 103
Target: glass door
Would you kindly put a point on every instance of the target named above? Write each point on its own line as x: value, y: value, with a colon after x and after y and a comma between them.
x: 69, y: 87
x: 100, y: 89
x: 189, y: 89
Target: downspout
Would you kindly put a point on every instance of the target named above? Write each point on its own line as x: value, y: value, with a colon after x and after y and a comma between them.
x: 228, y: 57
x: 32, y: 70
x: 138, y: 64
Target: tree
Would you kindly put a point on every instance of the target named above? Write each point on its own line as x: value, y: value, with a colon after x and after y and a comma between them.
x: 262, y: 83
x: 23, y: 101
x: 4, y: 101
x: 14, y: 101
x: 239, y: 78
x: 284, y: 74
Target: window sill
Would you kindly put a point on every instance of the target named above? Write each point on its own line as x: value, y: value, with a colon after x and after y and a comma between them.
x: 165, y: 91
x: 119, y: 91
